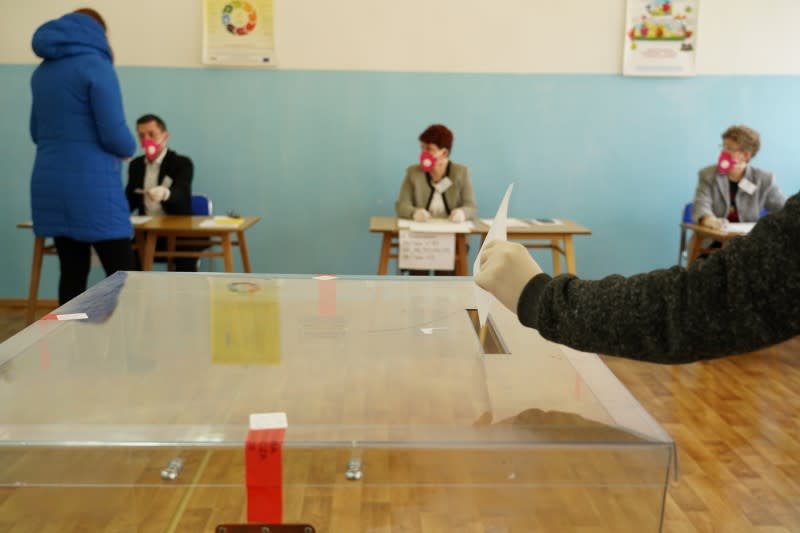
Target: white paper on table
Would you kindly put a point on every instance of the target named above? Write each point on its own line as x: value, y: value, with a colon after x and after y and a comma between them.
x: 221, y: 222
x: 139, y: 219
x: 738, y: 227
x: 441, y: 226
x: 426, y: 251
x: 497, y: 232
x: 510, y: 223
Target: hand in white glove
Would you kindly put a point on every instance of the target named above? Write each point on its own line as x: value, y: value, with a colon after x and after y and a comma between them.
x: 158, y: 194
x: 457, y: 215
x: 710, y: 221
x: 505, y: 270
x: 421, y: 215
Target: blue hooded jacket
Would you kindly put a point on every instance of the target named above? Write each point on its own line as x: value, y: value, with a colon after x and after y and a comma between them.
x: 78, y: 126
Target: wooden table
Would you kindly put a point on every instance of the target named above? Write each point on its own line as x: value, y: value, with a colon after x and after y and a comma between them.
x: 190, y: 227
x: 146, y: 234
x: 557, y: 237
x: 701, y: 233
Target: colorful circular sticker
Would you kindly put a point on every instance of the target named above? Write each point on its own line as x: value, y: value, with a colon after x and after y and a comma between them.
x: 243, y: 287
x: 238, y: 17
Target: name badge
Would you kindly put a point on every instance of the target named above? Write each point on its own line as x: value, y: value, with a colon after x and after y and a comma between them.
x: 747, y: 186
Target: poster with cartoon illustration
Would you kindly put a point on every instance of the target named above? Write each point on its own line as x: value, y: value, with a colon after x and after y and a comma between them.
x: 660, y: 37
x: 238, y: 32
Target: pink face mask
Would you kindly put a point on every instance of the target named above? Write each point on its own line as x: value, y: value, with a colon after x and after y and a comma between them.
x: 725, y: 162
x: 427, y: 161
x: 151, y: 148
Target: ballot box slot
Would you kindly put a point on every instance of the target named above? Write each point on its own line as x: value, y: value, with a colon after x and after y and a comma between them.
x: 488, y: 337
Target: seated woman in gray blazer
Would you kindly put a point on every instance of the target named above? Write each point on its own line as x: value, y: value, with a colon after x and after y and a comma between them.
x: 436, y: 187
x: 734, y: 190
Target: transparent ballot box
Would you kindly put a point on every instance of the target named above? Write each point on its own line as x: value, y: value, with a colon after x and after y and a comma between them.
x: 401, y: 414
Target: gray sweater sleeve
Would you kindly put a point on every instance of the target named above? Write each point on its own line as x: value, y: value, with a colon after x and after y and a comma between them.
x: 744, y: 297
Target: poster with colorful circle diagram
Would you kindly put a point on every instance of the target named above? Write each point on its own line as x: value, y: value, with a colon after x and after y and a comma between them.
x: 238, y: 33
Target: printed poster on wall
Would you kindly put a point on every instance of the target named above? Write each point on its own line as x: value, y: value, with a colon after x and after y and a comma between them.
x: 660, y: 37
x: 238, y: 32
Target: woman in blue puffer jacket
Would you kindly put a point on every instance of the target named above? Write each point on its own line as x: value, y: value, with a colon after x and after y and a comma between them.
x: 78, y: 126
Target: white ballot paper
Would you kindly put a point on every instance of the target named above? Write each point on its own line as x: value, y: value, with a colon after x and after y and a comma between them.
x: 497, y: 231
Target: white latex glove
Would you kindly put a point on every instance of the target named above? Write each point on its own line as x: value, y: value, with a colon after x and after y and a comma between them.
x: 710, y: 221
x: 506, y: 268
x: 158, y: 194
x: 421, y: 215
x: 457, y: 215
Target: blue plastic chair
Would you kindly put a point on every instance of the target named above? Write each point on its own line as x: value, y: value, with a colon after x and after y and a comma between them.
x: 687, y: 219
x: 201, y: 205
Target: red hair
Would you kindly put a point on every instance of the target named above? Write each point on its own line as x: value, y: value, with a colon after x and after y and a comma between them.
x: 89, y: 12
x: 439, y: 135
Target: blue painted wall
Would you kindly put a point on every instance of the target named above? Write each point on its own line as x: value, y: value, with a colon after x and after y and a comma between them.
x: 315, y: 153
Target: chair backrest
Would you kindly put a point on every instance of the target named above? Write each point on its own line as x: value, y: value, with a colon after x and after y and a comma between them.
x: 687, y: 213
x: 201, y: 205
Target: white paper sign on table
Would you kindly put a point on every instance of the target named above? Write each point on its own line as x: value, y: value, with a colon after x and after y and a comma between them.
x: 426, y: 251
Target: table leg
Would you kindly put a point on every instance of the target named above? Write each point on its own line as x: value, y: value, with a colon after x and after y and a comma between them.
x: 36, y: 273
x: 694, y: 249
x: 227, y: 249
x: 555, y: 250
x: 244, y: 252
x: 461, y: 255
x: 170, y: 251
x: 386, y: 245
x: 569, y: 252
x: 149, y: 250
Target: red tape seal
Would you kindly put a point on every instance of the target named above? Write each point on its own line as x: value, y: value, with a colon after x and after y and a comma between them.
x: 264, y: 468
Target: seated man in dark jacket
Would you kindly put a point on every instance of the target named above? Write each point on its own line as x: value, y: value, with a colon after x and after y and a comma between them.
x: 160, y: 181
x: 742, y: 298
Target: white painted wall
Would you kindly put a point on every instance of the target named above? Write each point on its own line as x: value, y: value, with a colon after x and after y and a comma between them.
x: 518, y: 36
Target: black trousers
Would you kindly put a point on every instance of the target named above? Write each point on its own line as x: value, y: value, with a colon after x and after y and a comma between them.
x: 75, y: 259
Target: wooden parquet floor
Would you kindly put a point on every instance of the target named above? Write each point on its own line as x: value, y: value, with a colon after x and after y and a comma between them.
x: 736, y: 422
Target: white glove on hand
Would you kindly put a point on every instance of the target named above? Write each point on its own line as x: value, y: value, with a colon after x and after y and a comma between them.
x: 710, y: 221
x: 457, y: 216
x: 421, y: 215
x: 505, y: 270
x: 158, y: 194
